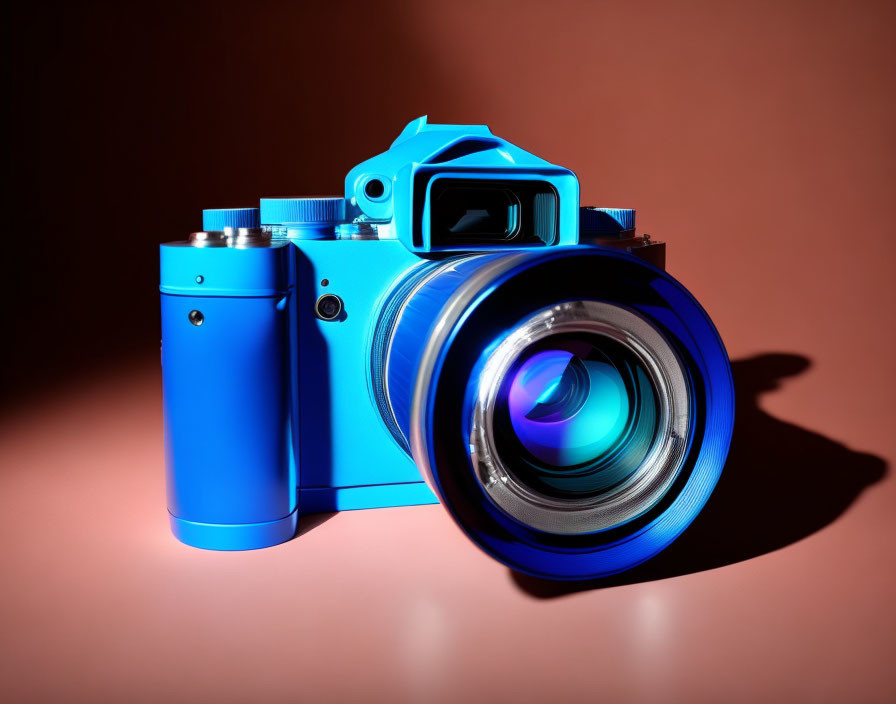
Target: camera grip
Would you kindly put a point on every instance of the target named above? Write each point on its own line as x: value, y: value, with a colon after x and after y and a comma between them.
x: 226, y: 381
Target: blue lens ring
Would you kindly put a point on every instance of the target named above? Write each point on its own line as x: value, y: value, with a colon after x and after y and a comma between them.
x: 624, y: 280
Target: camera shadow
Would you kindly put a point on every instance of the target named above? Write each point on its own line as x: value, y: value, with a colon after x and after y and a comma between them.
x: 781, y: 483
x: 309, y: 522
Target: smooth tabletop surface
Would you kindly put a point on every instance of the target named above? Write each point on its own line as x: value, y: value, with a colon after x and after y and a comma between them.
x: 781, y: 594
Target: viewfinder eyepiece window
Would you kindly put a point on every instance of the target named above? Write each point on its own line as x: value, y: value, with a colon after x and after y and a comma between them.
x: 488, y: 211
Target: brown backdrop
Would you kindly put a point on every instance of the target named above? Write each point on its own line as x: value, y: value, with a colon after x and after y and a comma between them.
x: 758, y: 139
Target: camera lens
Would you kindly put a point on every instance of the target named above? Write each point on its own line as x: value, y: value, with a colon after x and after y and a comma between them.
x: 579, y: 412
x: 571, y: 408
x: 588, y: 406
x: 329, y: 307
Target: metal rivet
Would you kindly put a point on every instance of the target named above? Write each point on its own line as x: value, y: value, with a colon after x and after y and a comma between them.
x: 196, y: 317
x: 200, y: 279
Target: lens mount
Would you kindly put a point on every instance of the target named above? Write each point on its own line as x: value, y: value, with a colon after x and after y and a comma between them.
x: 646, y: 485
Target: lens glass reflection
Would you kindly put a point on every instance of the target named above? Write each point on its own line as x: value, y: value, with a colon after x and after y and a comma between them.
x: 576, y: 415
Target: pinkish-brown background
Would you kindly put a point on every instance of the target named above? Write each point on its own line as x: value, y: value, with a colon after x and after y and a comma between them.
x: 757, y: 139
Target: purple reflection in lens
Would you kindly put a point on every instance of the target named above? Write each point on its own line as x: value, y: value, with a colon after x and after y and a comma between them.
x: 565, y: 410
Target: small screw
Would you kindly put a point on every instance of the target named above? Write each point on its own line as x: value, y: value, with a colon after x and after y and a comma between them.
x: 196, y: 317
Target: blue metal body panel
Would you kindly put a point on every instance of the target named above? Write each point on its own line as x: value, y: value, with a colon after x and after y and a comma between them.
x: 343, y: 440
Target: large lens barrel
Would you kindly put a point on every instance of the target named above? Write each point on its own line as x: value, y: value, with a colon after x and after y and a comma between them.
x: 572, y: 409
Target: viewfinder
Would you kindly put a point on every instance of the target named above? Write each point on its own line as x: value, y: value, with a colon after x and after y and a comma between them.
x: 487, y: 211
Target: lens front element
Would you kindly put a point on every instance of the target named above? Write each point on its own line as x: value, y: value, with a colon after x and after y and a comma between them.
x: 581, y: 418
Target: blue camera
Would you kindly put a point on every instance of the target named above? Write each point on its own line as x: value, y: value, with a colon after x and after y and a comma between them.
x: 455, y: 329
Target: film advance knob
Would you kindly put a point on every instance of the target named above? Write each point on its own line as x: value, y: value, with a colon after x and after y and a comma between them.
x: 607, y: 222
x: 218, y: 218
x: 303, y: 218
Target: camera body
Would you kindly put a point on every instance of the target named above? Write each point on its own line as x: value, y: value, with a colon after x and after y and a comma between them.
x: 295, y: 336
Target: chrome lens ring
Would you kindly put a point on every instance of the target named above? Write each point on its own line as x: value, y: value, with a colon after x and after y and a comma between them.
x: 644, y: 488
